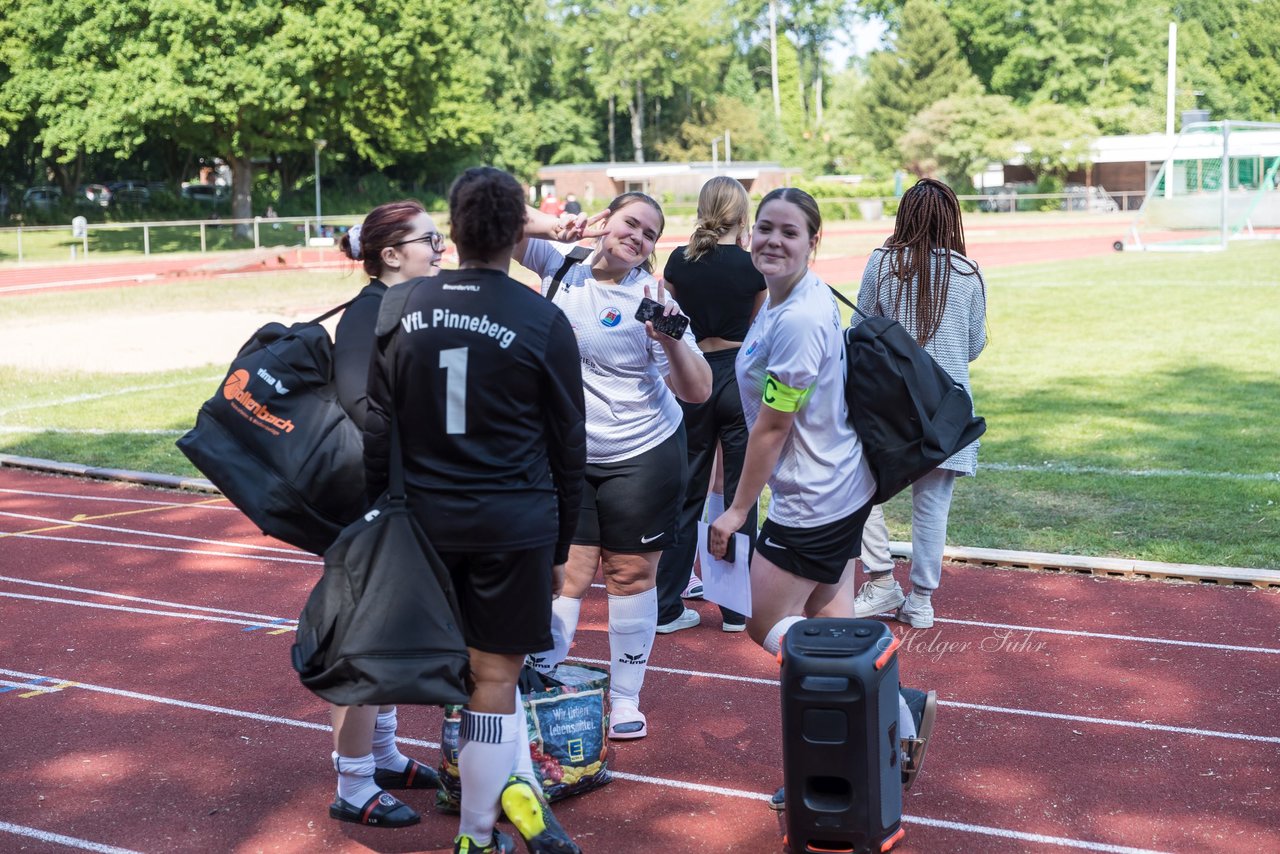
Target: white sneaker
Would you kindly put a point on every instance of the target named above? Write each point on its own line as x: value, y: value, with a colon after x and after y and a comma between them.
x: 917, y: 611
x: 687, y: 620
x: 875, y: 599
x: 692, y: 590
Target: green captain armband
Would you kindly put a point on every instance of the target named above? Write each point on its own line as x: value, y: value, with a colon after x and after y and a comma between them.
x: 783, y: 398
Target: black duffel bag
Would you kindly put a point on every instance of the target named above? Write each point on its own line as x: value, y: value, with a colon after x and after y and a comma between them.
x: 276, y: 441
x: 383, y: 626
x: 908, y: 412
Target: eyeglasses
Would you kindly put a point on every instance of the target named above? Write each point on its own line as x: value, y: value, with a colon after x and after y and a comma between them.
x: 432, y: 238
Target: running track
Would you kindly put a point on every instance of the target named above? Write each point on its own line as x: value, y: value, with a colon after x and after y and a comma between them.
x: 149, y: 705
x: 1035, y: 247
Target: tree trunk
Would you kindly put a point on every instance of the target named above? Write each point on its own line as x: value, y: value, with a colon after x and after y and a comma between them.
x: 637, y: 123
x: 613, y: 149
x: 773, y: 58
x: 241, y: 193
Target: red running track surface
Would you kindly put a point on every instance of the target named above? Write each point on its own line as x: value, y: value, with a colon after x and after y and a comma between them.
x: 149, y: 705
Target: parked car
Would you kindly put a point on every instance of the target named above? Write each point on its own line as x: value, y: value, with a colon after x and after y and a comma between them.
x: 93, y: 195
x: 206, y: 194
x: 42, y: 198
x: 129, y: 192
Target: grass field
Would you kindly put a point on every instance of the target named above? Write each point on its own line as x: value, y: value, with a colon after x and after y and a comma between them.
x: 1131, y: 401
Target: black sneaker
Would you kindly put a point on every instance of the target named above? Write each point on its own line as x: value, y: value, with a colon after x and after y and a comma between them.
x: 527, y: 809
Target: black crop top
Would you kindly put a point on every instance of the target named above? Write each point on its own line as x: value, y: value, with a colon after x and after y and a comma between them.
x: 717, y: 292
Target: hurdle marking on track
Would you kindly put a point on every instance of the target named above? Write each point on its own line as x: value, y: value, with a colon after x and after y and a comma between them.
x: 1082, y: 844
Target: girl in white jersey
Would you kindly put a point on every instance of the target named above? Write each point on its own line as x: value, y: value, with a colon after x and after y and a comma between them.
x: 791, y: 378
x: 637, y: 465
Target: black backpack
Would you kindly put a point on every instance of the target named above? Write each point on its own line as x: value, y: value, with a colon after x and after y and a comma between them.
x: 276, y: 441
x: 906, y: 409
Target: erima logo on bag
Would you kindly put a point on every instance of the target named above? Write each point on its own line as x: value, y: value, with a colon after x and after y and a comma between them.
x: 243, y: 403
x: 372, y: 514
x: 279, y: 386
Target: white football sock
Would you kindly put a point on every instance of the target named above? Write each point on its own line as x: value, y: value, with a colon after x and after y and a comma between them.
x: 385, y: 752
x: 564, y: 624
x: 524, y: 760
x: 355, y: 778
x: 486, y: 756
x: 773, y: 641
x: 633, y: 622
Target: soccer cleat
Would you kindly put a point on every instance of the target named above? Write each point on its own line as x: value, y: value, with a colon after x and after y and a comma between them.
x: 382, y: 810
x: 874, y: 598
x: 500, y: 844
x: 687, y: 620
x: 527, y: 809
x: 916, y: 611
x: 692, y: 590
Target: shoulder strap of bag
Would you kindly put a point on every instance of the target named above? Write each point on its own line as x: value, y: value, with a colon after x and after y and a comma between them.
x: 393, y: 303
x: 844, y: 299
x: 331, y: 312
x: 576, y: 255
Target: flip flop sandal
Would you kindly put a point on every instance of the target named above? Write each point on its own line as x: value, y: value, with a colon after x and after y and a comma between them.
x: 382, y: 810
x: 915, y: 747
x: 414, y: 776
x: 623, y: 728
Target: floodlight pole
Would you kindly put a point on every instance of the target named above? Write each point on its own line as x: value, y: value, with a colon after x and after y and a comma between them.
x: 1169, y: 105
x: 320, y: 143
x: 715, y: 156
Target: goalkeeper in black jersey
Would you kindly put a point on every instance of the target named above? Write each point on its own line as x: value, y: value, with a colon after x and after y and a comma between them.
x: 489, y: 402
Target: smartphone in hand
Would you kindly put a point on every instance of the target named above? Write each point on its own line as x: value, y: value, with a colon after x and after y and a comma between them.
x: 672, y: 325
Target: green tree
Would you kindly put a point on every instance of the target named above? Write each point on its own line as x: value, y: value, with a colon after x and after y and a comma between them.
x: 957, y: 137
x: 922, y: 65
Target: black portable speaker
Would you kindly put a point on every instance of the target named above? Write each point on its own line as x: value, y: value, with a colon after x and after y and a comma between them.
x: 840, y: 750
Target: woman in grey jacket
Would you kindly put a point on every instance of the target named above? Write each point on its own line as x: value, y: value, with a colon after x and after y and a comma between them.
x: 922, y: 279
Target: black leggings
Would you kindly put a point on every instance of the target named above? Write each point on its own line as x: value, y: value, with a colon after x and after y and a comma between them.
x: 719, y: 419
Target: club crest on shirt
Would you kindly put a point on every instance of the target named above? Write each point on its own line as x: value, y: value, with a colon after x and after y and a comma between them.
x: 610, y: 317
x: 754, y: 345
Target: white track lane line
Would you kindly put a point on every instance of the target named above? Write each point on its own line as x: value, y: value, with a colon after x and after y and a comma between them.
x: 70, y: 523
x: 1004, y: 833
x: 313, y: 561
x: 1131, y: 638
x: 69, y: 589
x: 1003, y: 710
x: 129, y: 610
x: 59, y: 839
x: 75, y: 496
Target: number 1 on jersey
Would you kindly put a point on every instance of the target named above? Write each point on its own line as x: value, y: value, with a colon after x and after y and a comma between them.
x: 454, y: 364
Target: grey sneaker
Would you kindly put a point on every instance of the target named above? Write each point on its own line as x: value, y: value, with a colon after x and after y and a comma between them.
x: 687, y: 620
x: 917, y: 611
x: 875, y: 599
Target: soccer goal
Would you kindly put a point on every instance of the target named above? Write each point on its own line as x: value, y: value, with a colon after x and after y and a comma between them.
x: 1218, y: 184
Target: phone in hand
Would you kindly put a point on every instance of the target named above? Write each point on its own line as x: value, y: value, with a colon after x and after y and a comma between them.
x: 672, y: 325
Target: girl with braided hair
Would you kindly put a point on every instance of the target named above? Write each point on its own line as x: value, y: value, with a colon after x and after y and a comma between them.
x: 720, y: 291
x: 922, y: 279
